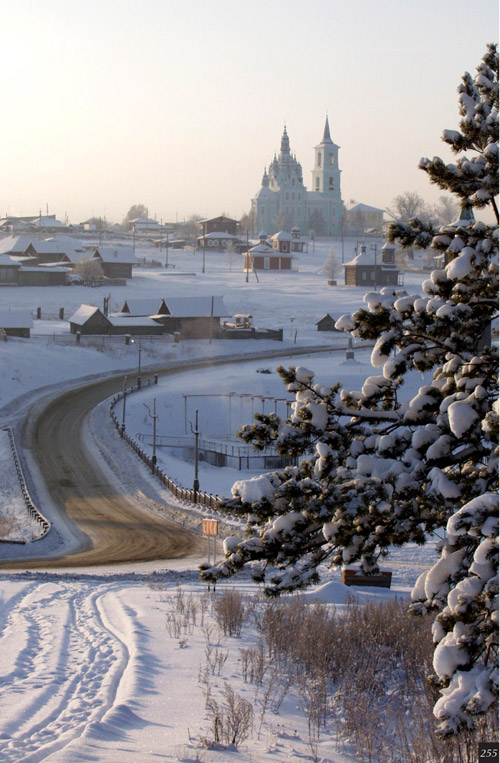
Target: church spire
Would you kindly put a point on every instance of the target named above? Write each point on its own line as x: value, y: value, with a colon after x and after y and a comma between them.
x: 285, y: 142
x: 326, y: 132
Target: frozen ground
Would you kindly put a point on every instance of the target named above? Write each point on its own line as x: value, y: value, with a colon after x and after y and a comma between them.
x: 89, y: 669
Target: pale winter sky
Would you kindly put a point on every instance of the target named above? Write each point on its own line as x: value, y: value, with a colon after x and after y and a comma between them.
x: 179, y: 104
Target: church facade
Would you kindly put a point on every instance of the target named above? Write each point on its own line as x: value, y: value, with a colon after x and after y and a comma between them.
x: 283, y: 201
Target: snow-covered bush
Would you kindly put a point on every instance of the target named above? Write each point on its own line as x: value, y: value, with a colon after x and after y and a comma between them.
x: 377, y: 472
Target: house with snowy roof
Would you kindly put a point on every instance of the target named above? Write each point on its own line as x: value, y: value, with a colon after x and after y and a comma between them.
x: 117, y: 262
x: 90, y: 320
x: 14, y: 245
x: 362, y: 219
x: 16, y: 323
x: 371, y: 267
x: 194, y: 317
x: 278, y: 257
x: 48, y: 224
x: 153, y: 306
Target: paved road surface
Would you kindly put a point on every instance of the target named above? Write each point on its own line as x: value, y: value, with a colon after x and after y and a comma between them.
x: 112, y: 526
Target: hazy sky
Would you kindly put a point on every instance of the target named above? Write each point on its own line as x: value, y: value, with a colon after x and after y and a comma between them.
x: 179, y: 104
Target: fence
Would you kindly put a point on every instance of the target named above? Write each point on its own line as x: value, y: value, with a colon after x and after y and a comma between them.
x: 220, y: 453
x: 197, y: 497
x: 33, y: 511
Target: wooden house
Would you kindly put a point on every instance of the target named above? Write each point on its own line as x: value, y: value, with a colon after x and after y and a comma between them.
x: 117, y: 262
x: 373, y: 268
x: 42, y: 275
x: 326, y: 323
x: 220, y: 241
x: 298, y: 244
x: 9, y: 270
x: 193, y: 317
x: 16, y: 323
x: 154, y: 306
x: 277, y: 257
x: 223, y: 224
x: 91, y: 320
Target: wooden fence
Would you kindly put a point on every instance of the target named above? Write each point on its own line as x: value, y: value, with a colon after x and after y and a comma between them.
x: 197, y: 497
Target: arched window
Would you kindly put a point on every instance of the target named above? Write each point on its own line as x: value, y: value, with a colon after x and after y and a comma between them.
x: 330, y: 182
x: 317, y: 184
x: 331, y: 158
x: 319, y: 160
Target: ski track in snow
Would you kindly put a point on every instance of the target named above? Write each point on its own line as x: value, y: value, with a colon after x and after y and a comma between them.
x: 71, y: 655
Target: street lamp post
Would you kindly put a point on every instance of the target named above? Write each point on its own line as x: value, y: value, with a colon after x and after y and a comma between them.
x: 196, y: 484
x: 154, y: 417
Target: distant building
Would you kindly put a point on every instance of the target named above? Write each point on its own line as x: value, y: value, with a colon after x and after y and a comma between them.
x: 117, y: 262
x: 326, y: 323
x: 373, y: 267
x: 361, y: 219
x: 277, y: 257
x: 16, y: 323
x: 219, y: 224
x: 283, y: 200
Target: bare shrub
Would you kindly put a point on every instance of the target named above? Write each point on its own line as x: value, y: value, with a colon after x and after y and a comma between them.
x: 229, y: 610
x: 6, y: 525
x: 231, y: 721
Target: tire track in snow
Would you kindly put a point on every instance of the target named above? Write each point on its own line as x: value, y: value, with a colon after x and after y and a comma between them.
x: 74, y: 650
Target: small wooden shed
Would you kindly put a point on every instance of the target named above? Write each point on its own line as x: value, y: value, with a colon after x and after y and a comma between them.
x: 326, y: 323
x: 16, y: 323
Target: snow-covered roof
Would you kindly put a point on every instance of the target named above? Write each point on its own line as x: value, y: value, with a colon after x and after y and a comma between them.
x: 370, y: 257
x: 15, y: 319
x: 14, y: 244
x: 264, y: 193
x: 83, y: 313
x: 123, y: 254
x: 142, y: 306
x: 263, y: 249
x: 220, y: 234
x: 282, y: 235
x: 358, y: 207
x: 7, y: 261
x: 196, y: 307
x: 46, y: 221
x: 132, y: 320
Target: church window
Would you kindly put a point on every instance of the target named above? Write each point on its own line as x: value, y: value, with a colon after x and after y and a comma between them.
x: 331, y: 158
x: 293, y: 181
x: 317, y: 184
x: 286, y: 195
x: 330, y: 182
x: 319, y: 160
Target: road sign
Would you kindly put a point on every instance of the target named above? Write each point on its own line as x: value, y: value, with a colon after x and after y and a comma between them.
x: 210, y: 527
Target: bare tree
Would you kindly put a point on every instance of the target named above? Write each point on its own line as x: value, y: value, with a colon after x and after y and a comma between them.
x: 446, y: 210
x: 135, y: 211
x: 409, y: 205
x: 89, y: 270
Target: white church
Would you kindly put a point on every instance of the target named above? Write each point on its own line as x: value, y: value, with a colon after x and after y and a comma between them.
x: 283, y: 201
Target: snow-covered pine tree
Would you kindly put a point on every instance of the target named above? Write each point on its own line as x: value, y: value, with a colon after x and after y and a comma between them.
x: 376, y: 472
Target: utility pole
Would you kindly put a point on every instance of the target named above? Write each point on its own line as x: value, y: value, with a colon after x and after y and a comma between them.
x: 154, y: 417
x: 196, y: 484
x: 204, y: 251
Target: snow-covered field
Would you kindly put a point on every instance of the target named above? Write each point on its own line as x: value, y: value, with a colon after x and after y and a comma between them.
x: 90, y: 668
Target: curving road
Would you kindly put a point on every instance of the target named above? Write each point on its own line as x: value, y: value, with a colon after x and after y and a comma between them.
x: 111, y: 526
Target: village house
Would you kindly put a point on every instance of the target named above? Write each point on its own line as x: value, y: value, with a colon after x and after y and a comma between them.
x: 361, y: 219
x: 15, y: 323
x: 279, y: 257
x: 117, y: 262
x: 326, y: 323
x: 373, y: 267
x: 146, y: 307
x: 90, y: 320
x: 194, y: 317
